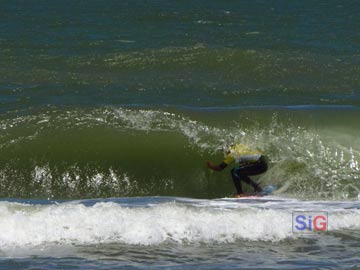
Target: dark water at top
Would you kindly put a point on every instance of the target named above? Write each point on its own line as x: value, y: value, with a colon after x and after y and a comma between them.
x: 203, y: 53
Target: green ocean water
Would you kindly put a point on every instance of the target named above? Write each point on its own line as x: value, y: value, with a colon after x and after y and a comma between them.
x: 109, y: 110
x: 131, y: 98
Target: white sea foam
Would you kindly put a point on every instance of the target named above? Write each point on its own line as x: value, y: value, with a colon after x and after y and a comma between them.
x: 108, y: 222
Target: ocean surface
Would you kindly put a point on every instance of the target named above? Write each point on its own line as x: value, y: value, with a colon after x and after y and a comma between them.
x: 109, y: 109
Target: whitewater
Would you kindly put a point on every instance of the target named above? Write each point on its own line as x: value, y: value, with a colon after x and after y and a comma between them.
x: 155, y: 220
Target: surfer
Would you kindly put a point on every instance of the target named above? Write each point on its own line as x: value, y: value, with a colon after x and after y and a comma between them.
x: 249, y: 163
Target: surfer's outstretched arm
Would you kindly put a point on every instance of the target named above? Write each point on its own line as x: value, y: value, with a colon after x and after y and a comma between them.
x: 216, y: 167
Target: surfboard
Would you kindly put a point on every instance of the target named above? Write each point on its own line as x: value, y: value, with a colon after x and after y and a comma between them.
x: 267, y: 190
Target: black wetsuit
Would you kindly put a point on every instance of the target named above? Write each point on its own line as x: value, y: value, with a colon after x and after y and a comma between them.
x: 244, y: 170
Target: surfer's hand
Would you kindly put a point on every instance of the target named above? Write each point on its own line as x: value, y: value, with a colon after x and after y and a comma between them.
x: 215, y: 167
x: 212, y: 166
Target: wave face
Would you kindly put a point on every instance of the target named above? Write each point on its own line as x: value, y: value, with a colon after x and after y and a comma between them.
x: 115, y: 152
x: 159, y: 220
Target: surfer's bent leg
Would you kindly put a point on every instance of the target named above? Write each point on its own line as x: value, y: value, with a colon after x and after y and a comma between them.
x: 237, y: 181
x: 238, y: 176
x: 251, y: 182
x: 243, y: 171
